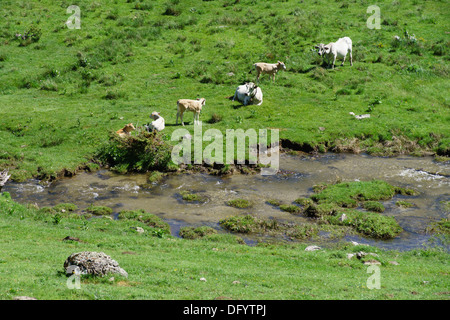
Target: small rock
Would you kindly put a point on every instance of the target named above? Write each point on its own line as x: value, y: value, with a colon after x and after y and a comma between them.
x: 24, y: 298
x: 395, y: 263
x: 343, y: 217
x: 215, y: 249
x: 230, y: 74
x: 358, y: 244
x: 321, y: 128
x: 203, y: 279
x: 362, y: 254
x: 371, y: 262
x: 111, y: 279
x: 138, y: 229
x: 69, y: 238
x: 312, y: 248
x: 236, y: 282
x: 350, y: 255
x: 223, y: 298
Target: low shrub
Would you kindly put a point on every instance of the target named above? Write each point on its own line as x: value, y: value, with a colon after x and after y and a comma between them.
x: 195, y: 233
x: 239, y: 203
x: 373, y: 206
x: 99, y: 210
x: 367, y: 223
x: 291, y: 208
x: 148, y: 218
x: 141, y: 153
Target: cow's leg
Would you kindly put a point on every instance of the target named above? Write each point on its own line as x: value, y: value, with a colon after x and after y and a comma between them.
x: 343, y: 60
x: 178, y: 113
x: 181, y: 117
x: 351, y: 58
x: 334, y: 61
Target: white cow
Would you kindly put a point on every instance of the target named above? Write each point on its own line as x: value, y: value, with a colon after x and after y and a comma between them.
x: 248, y: 93
x: 158, y: 124
x: 338, y: 49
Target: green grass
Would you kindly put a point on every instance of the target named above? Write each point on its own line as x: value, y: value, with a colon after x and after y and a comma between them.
x: 192, y: 197
x: 195, y: 233
x: 65, y: 90
x: 240, y: 203
x: 163, y: 267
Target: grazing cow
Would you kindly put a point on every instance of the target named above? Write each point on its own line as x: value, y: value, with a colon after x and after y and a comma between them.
x: 125, y: 131
x: 269, y: 68
x: 194, y: 106
x: 248, y: 93
x: 158, y: 124
x: 338, y: 49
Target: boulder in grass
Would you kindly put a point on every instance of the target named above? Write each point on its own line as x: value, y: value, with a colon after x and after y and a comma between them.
x: 95, y: 263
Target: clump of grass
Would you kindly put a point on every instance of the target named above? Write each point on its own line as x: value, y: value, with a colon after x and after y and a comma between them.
x: 406, y: 191
x: 65, y: 207
x: 192, y: 197
x: 149, y: 219
x: 251, y: 224
x: 239, y: 203
x: 346, y: 194
x: 274, y: 202
x: 215, y: 118
x: 440, y: 227
x: 49, y: 85
x: 374, y: 206
x: 404, y: 204
x: 320, y: 210
x: 248, y: 224
x: 195, y: 233
x: 291, y: 208
x: 367, y: 223
x: 301, y: 232
x: 155, y: 176
x: 99, y: 210
x: 304, y: 201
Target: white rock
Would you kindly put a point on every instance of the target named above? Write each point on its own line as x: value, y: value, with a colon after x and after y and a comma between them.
x: 203, y: 279
x: 312, y: 248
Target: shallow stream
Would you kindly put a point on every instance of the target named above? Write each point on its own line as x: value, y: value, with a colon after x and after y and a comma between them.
x: 295, y: 179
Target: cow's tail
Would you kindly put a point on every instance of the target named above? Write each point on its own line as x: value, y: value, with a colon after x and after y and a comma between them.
x: 254, y: 67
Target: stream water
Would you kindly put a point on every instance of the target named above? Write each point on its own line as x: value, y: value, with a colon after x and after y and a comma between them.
x: 295, y: 179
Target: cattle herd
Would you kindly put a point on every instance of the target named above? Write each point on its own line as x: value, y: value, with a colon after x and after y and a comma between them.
x: 249, y: 93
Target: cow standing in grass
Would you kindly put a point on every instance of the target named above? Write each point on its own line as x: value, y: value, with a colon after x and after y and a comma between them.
x: 268, y: 68
x: 334, y: 50
x: 194, y: 106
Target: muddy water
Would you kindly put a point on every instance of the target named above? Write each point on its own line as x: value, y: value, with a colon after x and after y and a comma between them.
x: 296, y: 178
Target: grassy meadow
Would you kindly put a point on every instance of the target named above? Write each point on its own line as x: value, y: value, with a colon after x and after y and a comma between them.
x: 160, y: 266
x: 64, y: 90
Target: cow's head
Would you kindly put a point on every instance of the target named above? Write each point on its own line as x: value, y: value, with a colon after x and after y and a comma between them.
x: 202, y: 101
x: 323, y: 49
x: 250, y: 86
x: 155, y: 115
x: 281, y: 65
